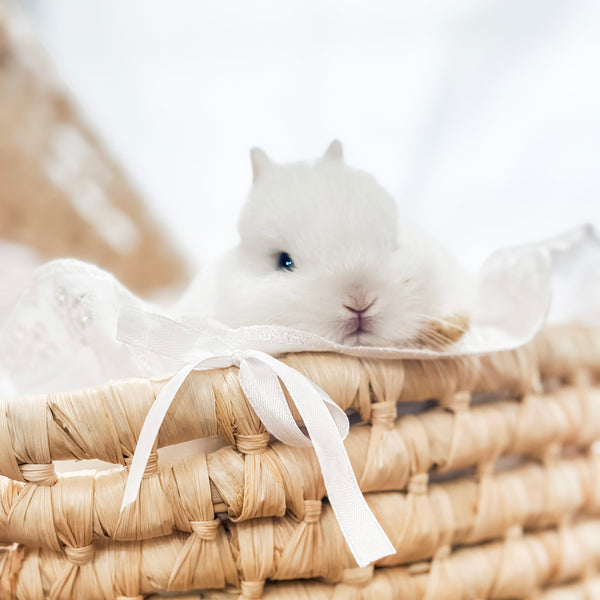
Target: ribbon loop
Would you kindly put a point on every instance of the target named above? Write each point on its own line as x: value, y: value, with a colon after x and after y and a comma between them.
x: 263, y: 390
x: 261, y: 378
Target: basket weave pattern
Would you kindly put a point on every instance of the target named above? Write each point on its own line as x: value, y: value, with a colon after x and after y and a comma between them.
x: 491, y: 491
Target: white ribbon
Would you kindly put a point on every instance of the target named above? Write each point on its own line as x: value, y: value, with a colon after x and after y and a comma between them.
x: 260, y: 375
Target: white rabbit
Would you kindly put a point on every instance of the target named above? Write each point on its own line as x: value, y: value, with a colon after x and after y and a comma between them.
x: 323, y: 249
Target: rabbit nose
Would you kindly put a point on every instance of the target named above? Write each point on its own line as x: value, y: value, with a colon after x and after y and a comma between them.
x: 359, y: 307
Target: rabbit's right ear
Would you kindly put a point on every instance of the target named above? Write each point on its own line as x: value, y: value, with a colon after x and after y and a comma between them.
x: 334, y: 151
x: 260, y: 162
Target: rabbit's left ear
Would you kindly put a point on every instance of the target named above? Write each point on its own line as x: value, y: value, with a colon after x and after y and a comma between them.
x: 260, y: 162
x: 334, y: 151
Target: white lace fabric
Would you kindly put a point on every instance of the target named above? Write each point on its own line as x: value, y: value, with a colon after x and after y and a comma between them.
x: 63, y: 332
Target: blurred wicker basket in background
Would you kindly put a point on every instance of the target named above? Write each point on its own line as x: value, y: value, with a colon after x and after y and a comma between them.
x: 61, y: 194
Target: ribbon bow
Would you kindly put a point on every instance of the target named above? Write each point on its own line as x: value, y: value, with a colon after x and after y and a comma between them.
x: 260, y: 375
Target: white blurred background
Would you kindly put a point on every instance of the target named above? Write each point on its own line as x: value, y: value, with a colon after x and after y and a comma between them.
x: 480, y: 116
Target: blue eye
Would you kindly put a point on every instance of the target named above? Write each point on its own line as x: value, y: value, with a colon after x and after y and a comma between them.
x: 285, y: 262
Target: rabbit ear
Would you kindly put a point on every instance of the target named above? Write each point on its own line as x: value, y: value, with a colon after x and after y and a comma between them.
x: 260, y: 162
x: 334, y: 151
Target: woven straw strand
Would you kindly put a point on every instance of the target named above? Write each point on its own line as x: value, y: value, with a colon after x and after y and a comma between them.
x: 421, y: 523
x: 514, y: 568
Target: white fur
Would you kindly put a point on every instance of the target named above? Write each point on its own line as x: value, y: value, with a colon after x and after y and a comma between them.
x: 349, y: 246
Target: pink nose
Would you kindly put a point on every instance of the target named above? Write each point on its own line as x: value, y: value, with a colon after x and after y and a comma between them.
x: 359, y: 307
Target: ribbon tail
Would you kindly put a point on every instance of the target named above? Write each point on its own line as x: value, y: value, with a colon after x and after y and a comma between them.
x: 365, y: 537
x: 363, y: 534
x: 149, y: 433
x: 263, y: 390
x: 339, y: 417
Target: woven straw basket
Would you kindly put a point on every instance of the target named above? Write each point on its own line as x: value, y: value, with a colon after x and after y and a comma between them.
x: 486, y: 483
